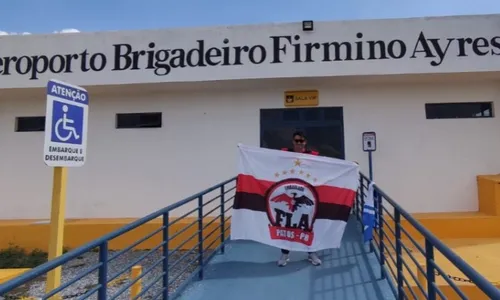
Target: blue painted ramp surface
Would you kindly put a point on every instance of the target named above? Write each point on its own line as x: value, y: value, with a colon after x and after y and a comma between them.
x: 248, y: 270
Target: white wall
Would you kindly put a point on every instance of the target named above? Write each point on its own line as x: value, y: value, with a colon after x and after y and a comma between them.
x: 426, y: 165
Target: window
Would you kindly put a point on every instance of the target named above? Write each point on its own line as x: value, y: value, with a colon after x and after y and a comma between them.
x: 27, y: 124
x: 459, y: 110
x: 139, y: 120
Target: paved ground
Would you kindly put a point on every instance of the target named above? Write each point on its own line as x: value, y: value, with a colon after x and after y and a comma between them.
x: 248, y: 271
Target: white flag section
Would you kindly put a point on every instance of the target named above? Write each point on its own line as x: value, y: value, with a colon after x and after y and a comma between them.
x: 294, y: 201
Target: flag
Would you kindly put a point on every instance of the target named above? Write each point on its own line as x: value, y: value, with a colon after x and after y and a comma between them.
x: 369, y: 213
x: 293, y: 201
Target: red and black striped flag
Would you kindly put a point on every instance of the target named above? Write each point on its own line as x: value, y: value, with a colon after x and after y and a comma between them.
x: 292, y: 200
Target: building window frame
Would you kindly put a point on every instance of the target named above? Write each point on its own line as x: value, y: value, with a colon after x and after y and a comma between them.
x: 459, y: 110
x: 139, y: 120
x: 30, y: 124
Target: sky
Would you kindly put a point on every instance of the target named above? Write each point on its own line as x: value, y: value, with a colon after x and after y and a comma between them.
x: 51, y: 16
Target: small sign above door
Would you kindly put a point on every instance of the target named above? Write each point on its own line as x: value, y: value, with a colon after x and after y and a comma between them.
x: 301, y: 98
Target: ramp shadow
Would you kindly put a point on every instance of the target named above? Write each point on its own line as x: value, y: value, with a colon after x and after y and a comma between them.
x: 359, y: 281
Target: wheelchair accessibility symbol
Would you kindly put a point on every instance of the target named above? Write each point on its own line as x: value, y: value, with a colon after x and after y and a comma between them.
x: 64, y: 124
x: 68, y: 123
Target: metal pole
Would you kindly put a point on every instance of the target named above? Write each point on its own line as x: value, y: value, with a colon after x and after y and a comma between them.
x: 165, y: 266
x: 103, y: 271
x: 222, y: 218
x: 200, y: 236
x: 370, y: 165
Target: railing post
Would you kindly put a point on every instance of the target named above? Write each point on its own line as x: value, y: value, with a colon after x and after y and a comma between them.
x: 380, y: 229
x: 431, y: 276
x: 399, y: 259
x: 361, y: 198
x: 222, y: 218
x: 355, y: 206
x: 372, y: 244
x: 165, y: 255
x: 103, y: 271
x: 356, y: 203
x: 200, y: 236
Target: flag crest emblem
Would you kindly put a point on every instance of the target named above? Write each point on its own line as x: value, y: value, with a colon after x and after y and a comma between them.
x: 291, y: 208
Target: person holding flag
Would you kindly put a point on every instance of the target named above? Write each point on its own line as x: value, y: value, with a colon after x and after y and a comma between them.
x: 299, y: 145
x: 294, y: 200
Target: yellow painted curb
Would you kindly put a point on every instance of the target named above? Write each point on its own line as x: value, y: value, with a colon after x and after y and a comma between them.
x: 8, y: 274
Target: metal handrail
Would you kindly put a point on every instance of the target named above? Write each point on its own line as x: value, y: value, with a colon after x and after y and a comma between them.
x: 102, y: 241
x: 431, y: 243
x: 461, y: 264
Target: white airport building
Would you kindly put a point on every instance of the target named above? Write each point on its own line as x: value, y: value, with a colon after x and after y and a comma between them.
x: 167, y: 108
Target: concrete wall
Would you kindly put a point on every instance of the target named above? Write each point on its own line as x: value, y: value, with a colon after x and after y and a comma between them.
x: 426, y: 165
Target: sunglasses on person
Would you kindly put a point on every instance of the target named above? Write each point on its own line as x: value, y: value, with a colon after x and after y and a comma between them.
x: 299, y: 141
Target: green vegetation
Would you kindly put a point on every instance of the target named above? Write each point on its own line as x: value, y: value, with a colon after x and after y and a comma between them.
x: 16, y: 257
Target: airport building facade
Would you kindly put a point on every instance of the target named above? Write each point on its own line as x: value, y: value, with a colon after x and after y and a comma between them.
x: 167, y: 108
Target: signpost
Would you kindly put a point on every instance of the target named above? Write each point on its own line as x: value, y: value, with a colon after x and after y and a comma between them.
x: 370, y: 145
x: 66, y: 121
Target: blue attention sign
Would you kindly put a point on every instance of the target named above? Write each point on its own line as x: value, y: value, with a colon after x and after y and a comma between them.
x: 66, y: 124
